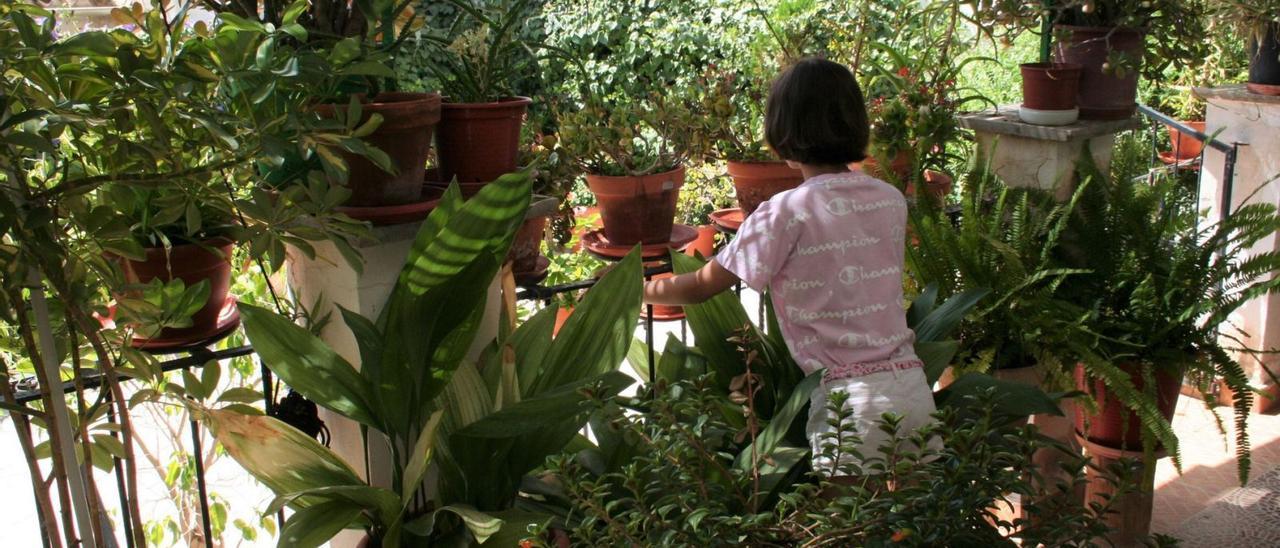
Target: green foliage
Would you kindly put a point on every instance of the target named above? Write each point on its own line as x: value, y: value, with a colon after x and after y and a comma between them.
x: 478, y: 50
x: 1003, y: 241
x: 1163, y: 281
x: 1250, y: 18
x: 666, y: 478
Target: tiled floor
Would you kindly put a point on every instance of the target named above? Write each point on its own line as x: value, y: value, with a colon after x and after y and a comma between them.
x: 1208, y: 462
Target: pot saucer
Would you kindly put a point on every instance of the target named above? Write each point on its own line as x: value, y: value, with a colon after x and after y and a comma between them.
x: 228, y: 321
x: 535, y: 276
x: 1263, y: 89
x: 396, y: 214
x: 681, y: 236
x: 671, y: 314
x: 728, y: 220
x: 1048, y: 117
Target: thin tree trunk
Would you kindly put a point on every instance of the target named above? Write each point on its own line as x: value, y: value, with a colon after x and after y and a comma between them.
x: 77, y: 375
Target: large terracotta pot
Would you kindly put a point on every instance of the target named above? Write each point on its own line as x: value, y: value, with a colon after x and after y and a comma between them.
x: 479, y: 142
x: 527, y: 246
x: 1050, y: 86
x: 756, y: 182
x: 1264, y: 64
x: 408, y: 121
x: 1186, y: 147
x: 1103, y: 94
x: 1115, y: 425
x: 637, y: 209
x: 192, y: 264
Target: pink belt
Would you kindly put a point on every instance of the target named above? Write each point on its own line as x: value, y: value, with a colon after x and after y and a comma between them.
x: 854, y: 370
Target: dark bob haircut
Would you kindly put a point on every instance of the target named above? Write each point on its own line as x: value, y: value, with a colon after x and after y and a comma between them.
x: 816, y: 115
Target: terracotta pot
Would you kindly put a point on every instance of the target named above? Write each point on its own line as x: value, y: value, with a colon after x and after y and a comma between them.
x: 408, y: 121
x: 705, y: 244
x: 899, y: 168
x: 637, y: 209
x: 756, y: 182
x: 479, y: 142
x: 936, y: 183
x: 562, y: 315
x: 527, y: 246
x: 1050, y: 86
x: 1115, y: 425
x: 1103, y: 94
x: 1186, y: 147
x: 1264, y: 64
x: 192, y: 264
x: 662, y: 312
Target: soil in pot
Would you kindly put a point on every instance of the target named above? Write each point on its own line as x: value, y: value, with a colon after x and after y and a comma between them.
x: 1115, y: 425
x: 1186, y: 147
x: 192, y: 264
x: 756, y: 182
x: 527, y: 246
x: 1050, y: 86
x: 479, y: 142
x: 1105, y: 93
x: 637, y: 209
x: 408, y: 121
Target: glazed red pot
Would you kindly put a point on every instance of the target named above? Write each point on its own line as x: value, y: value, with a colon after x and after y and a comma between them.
x: 1050, y: 86
x: 479, y: 142
x: 705, y: 244
x: 637, y: 209
x: 1186, y: 147
x: 408, y: 121
x: 756, y: 182
x: 527, y: 246
x: 1104, y: 94
x: 1115, y: 425
x: 192, y: 264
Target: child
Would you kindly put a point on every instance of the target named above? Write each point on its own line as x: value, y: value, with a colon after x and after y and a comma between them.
x: 831, y: 252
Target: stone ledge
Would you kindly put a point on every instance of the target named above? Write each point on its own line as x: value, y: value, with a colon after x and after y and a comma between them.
x: 1235, y: 92
x: 1004, y: 121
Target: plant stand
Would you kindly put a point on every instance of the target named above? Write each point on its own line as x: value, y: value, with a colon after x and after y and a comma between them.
x: 326, y: 282
x: 1251, y: 124
x: 1026, y: 155
x: 1130, y: 516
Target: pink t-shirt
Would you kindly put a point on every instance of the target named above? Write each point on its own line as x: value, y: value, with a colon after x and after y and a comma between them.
x: 831, y: 253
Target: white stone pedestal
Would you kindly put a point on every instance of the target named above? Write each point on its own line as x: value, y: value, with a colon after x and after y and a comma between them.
x: 1252, y: 121
x: 328, y: 279
x: 1026, y: 155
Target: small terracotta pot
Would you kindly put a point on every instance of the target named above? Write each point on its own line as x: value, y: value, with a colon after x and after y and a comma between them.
x: 705, y: 244
x: 663, y: 312
x: 1115, y: 425
x: 638, y: 209
x: 899, y: 168
x: 1103, y: 94
x: 192, y: 264
x: 1186, y: 147
x: 936, y: 183
x: 562, y: 315
x: 756, y: 182
x: 1050, y: 86
x: 408, y: 121
x: 479, y: 142
x: 527, y: 246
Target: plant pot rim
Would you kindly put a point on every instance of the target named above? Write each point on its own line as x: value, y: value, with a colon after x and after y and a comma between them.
x: 211, y: 241
x: 399, y: 99
x: 1051, y: 66
x: 1101, y: 28
x: 678, y: 169
x: 758, y: 162
x: 501, y: 103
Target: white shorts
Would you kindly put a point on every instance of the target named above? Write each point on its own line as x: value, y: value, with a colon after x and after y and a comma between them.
x: 902, y: 392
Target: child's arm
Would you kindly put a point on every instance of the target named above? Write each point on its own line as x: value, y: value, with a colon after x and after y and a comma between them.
x: 691, y: 288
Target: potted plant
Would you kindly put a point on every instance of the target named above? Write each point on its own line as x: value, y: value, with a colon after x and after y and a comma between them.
x: 479, y: 55
x: 1179, y: 102
x: 1257, y: 21
x: 358, y: 42
x: 1049, y: 92
x: 482, y: 425
x: 1162, y: 282
x: 552, y: 174
x: 704, y: 194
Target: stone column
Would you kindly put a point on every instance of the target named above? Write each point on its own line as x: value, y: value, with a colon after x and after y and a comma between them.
x: 329, y: 281
x: 1045, y: 157
x: 1252, y: 122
